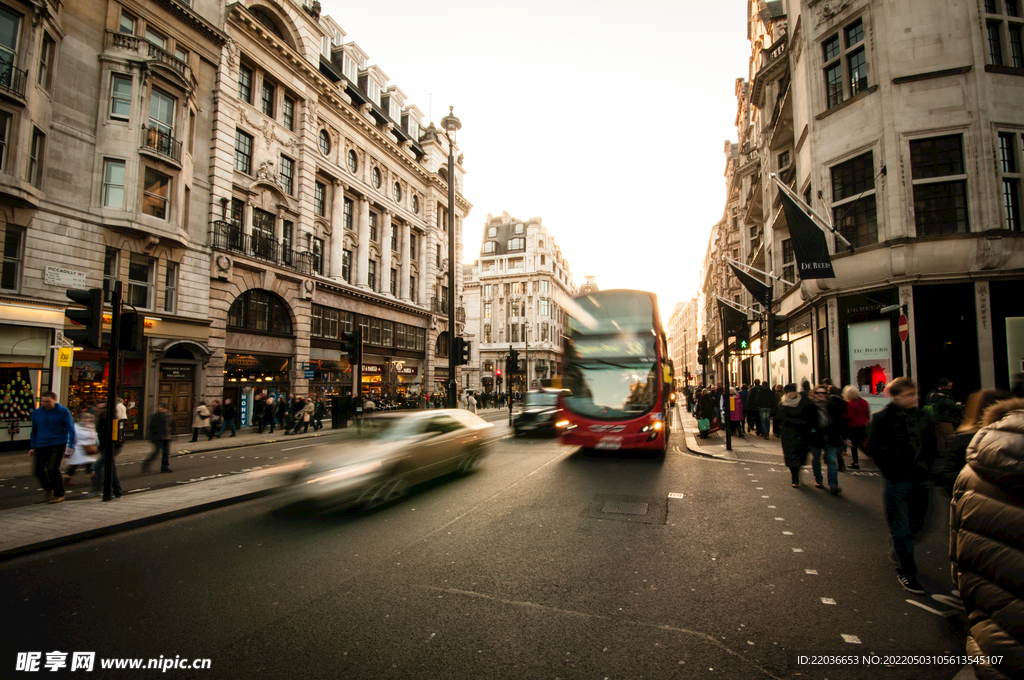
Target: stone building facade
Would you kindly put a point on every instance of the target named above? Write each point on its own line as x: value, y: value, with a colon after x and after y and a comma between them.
x: 105, y: 109
x: 329, y: 214
x: 905, y: 132
x: 515, y: 294
x: 682, y: 341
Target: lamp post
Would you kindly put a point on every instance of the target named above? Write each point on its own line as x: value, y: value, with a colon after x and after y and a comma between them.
x: 451, y: 125
x: 526, y: 339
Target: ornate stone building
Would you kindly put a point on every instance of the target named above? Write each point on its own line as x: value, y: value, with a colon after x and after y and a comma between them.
x: 515, y: 293
x: 328, y: 214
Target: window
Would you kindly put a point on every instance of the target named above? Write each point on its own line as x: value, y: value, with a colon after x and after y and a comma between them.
x: 258, y: 310
x: 437, y: 262
x: 544, y: 331
x: 287, y: 241
x: 519, y: 228
x: 514, y: 333
x: 263, y: 243
x: 288, y: 113
x: 325, y: 142
x: 853, y: 200
x: 940, y: 185
x: 171, y: 288
x: 412, y: 288
x: 180, y: 53
x: 324, y: 322
x: 245, y: 83
x: 346, y: 265
x: 846, y: 66
x: 353, y: 160
x: 243, y: 152
x: 287, y: 175
x: 113, y: 184
x: 487, y: 310
x: 412, y: 246
x: 155, y: 38
x: 155, y: 193
x: 487, y: 332
x: 161, y: 112
x: 35, y: 159
x: 46, y: 52
x: 319, y: 194
x: 127, y: 24
x: 5, y: 130
x: 387, y: 333
x: 544, y: 286
x: 394, y: 237
x: 1010, y: 174
x: 543, y: 307
x: 318, y: 256
x: 120, y: 97
x: 10, y: 269
x: 398, y: 192
x: 140, y: 282
x: 788, y: 260
x: 489, y: 246
x: 371, y: 274
x: 375, y: 332
x: 442, y: 218
x: 394, y: 282
x: 373, y: 226
x: 416, y: 204
x: 347, y: 213
x: 542, y: 259
x: 10, y: 28
x: 516, y: 243
x: 110, y: 267
x: 267, y: 99
x: 376, y: 178
x: 1003, y: 32
x: 400, y: 336
x: 492, y: 232
x: 237, y: 215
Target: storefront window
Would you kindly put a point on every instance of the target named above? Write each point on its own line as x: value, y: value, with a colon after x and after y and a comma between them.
x: 870, y: 359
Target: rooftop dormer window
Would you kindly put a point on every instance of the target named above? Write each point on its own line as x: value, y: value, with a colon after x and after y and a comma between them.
x: 519, y: 228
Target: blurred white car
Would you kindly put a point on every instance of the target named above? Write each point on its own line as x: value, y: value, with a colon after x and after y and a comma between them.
x: 404, y: 449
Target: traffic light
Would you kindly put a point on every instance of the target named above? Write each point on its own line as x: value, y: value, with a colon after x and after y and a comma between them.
x: 743, y: 337
x: 497, y: 377
x: 132, y: 331
x: 513, y: 361
x: 777, y: 330
x: 465, y: 352
x: 352, y: 346
x: 702, y: 352
x: 91, y: 317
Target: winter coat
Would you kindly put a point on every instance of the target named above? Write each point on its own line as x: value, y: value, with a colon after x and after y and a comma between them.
x: 84, y: 436
x: 282, y: 408
x: 986, y: 540
x: 829, y: 428
x: 736, y: 414
x: 318, y: 410
x: 229, y: 412
x: 202, y: 417
x: 857, y: 414
x: 797, y: 418
x: 161, y: 426
x: 902, y: 444
x: 944, y: 408
x: 745, y: 396
x: 307, y: 411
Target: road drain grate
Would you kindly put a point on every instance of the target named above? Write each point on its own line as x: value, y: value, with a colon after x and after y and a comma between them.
x: 624, y: 508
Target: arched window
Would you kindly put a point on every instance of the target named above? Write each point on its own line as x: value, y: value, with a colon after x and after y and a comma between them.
x: 264, y: 17
x: 259, y: 311
x: 442, y: 345
x: 443, y: 172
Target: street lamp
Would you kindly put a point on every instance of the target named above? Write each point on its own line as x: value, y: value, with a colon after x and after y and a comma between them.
x: 451, y: 125
x: 526, y: 339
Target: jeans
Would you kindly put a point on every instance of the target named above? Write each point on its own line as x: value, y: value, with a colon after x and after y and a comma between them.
x: 766, y: 420
x: 224, y: 424
x: 47, y: 467
x: 161, y: 447
x: 100, y: 467
x: 906, y: 506
x: 830, y: 463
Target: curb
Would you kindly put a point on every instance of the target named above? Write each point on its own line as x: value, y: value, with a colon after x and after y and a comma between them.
x: 12, y: 553
x: 236, y: 445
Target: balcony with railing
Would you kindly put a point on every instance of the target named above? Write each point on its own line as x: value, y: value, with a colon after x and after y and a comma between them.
x: 12, y: 79
x: 150, y: 52
x: 231, y: 237
x: 439, y: 306
x: 774, y: 60
x: 160, y: 141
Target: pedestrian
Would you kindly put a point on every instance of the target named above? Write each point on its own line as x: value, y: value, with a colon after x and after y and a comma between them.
x: 201, y: 421
x: 318, y: 414
x: 986, y: 516
x: 269, y: 413
x: 228, y: 414
x: 855, y: 422
x: 750, y: 408
x: 748, y: 421
x: 734, y: 405
x: 53, y: 436
x: 161, y: 429
x: 471, y: 403
x: 826, y: 437
x: 946, y: 413
x: 121, y: 412
x: 765, y: 404
x: 258, y: 403
x: 86, y: 448
x: 463, y: 401
x: 308, y: 410
x: 902, y: 443
x: 952, y: 459
x: 281, y: 415
x: 779, y: 392
x: 216, y: 417
x: 99, y: 468
x: 797, y: 417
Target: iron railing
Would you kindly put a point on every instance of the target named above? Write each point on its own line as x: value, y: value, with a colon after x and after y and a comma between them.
x: 439, y: 306
x: 149, y: 51
x: 162, y: 142
x: 12, y: 79
x: 232, y: 238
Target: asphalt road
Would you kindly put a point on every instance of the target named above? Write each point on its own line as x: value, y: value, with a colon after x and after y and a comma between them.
x: 516, y: 571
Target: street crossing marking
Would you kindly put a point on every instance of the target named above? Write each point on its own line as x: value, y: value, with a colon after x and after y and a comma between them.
x: 675, y: 495
x: 827, y: 600
x: 811, y: 572
x: 852, y: 639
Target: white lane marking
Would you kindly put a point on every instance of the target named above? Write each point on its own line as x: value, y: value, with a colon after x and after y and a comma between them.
x: 950, y: 601
x: 852, y: 639
x: 787, y: 533
x: 772, y: 507
x: 827, y: 600
x: 675, y: 495
x: 812, y: 572
x: 933, y: 611
x: 798, y: 549
x: 298, y: 447
x: 138, y: 490
x: 780, y: 519
x: 764, y: 496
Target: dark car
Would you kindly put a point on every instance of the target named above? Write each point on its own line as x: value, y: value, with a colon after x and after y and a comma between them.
x: 540, y: 414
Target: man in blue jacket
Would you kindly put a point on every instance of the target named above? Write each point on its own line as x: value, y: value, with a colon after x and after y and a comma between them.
x: 53, y: 435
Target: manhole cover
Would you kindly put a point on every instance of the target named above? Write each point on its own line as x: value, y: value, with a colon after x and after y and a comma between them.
x: 624, y: 508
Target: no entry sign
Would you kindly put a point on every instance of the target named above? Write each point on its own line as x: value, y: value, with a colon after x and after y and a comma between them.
x: 904, y: 327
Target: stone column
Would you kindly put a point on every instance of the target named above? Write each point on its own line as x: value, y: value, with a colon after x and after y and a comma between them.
x: 406, y: 258
x: 385, y: 255
x: 363, y: 253
x: 337, y: 229
x: 426, y: 267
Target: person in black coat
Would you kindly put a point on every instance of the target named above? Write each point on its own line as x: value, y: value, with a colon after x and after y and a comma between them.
x: 902, y: 443
x: 160, y: 430
x: 282, y: 411
x: 798, y: 417
x: 228, y: 415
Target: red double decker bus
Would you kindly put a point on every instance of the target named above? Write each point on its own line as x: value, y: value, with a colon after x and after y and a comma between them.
x: 617, y: 373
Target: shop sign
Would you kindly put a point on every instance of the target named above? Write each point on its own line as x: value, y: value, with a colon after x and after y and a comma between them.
x: 373, y: 368
x: 308, y: 375
x: 65, y: 278
x: 176, y: 373
x: 64, y: 356
x: 243, y: 361
x: 407, y: 370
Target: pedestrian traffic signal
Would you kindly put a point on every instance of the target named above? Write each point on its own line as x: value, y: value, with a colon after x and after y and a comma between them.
x: 702, y: 352
x: 465, y: 352
x: 91, y: 317
x: 132, y: 332
x: 352, y: 346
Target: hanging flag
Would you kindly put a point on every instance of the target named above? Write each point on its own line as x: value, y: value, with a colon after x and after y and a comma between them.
x: 809, y: 246
x: 734, y: 320
x: 759, y: 290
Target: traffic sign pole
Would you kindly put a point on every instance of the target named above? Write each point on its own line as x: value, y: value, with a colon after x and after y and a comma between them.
x: 904, y: 328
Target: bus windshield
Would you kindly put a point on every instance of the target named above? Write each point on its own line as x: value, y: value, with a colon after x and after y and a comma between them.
x: 605, y: 389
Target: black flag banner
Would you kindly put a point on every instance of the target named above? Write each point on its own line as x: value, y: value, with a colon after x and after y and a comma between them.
x: 809, y: 246
x: 733, y: 319
x: 760, y: 291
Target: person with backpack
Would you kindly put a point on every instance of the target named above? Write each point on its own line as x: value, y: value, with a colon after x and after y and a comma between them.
x: 944, y: 412
x: 827, y: 436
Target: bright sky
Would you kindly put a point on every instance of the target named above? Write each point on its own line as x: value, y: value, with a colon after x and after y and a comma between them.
x: 606, y: 118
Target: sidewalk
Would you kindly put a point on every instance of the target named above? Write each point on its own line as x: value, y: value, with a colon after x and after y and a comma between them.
x: 749, y: 448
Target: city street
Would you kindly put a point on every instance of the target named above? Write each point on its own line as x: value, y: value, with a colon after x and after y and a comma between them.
x: 546, y: 562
